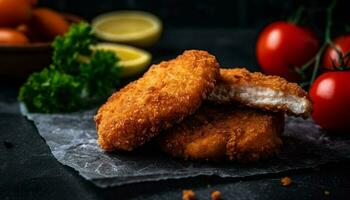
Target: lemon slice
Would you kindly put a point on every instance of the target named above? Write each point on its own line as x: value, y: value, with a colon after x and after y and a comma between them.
x: 132, y: 60
x: 130, y: 27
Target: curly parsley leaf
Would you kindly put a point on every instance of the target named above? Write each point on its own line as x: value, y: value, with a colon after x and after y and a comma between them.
x: 72, y: 47
x: 51, y: 91
x: 98, y: 75
x: 78, y: 76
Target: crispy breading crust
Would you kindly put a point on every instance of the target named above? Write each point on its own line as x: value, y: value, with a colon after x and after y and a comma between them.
x: 225, y: 132
x: 242, y: 77
x: 166, y: 94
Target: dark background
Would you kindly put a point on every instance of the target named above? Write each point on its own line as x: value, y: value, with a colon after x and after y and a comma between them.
x: 230, y: 27
x: 210, y: 13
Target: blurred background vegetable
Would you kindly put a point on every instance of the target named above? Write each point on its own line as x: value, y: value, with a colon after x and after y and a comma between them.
x: 11, y: 36
x: 47, y: 23
x: 14, y: 12
x: 37, y: 24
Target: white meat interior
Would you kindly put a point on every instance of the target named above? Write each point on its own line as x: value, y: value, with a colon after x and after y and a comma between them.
x: 260, y: 96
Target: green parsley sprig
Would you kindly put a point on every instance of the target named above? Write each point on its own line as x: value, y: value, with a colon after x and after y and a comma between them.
x: 77, y: 78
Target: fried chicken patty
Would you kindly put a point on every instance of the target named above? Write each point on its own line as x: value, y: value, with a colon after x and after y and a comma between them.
x: 165, y: 94
x: 225, y: 132
x: 256, y: 90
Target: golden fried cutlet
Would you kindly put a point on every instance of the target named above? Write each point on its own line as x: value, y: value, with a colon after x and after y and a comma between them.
x: 165, y: 94
x: 225, y: 132
x: 256, y: 90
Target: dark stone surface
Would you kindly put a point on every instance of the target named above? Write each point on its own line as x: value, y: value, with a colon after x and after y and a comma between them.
x: 72, y: 139
x: 29, y: 171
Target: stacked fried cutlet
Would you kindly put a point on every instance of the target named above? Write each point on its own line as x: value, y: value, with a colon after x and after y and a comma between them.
x: 198, y: 111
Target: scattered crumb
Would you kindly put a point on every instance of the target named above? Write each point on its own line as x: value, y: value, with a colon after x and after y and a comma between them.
x: 286, y: 181
x: 188, y: 195
x: 216, y: 195
x: 327, y: 193
x: 8, y: 144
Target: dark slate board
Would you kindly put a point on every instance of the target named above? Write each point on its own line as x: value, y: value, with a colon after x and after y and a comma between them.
x: 72, y: 141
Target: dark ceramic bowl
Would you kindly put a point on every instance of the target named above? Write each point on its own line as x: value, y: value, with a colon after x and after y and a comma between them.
x: 17, y: 62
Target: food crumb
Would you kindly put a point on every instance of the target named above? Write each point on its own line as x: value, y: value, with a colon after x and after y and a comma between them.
x: 188, y: 195
x: 327, y: 193
x: 216, y: 195
x: 286, y: 181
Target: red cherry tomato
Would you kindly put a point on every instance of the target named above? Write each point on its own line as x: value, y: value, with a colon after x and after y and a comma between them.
x: 330, y: 94
x: 342, y: 44
x: 282, y: 46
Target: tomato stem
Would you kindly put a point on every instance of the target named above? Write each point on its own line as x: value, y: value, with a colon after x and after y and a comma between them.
x: 297, y: 16
x: 344, y: 60
x: 327, y: 41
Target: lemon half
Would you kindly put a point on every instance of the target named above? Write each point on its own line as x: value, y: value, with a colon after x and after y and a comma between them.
x: 130, y: 27
x: 132, y: 60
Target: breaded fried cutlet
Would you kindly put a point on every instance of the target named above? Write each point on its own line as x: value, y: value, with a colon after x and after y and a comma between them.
x: 225, y: 132
x: 167, y: 93
x: 256, y: 90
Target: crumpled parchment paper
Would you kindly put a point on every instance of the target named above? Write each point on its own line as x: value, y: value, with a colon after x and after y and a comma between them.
x: 72, y: 141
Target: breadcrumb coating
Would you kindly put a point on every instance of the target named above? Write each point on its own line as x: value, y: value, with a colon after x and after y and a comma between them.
x: 257, y: 90
x: 166, y: 94
x: 225, y: 132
